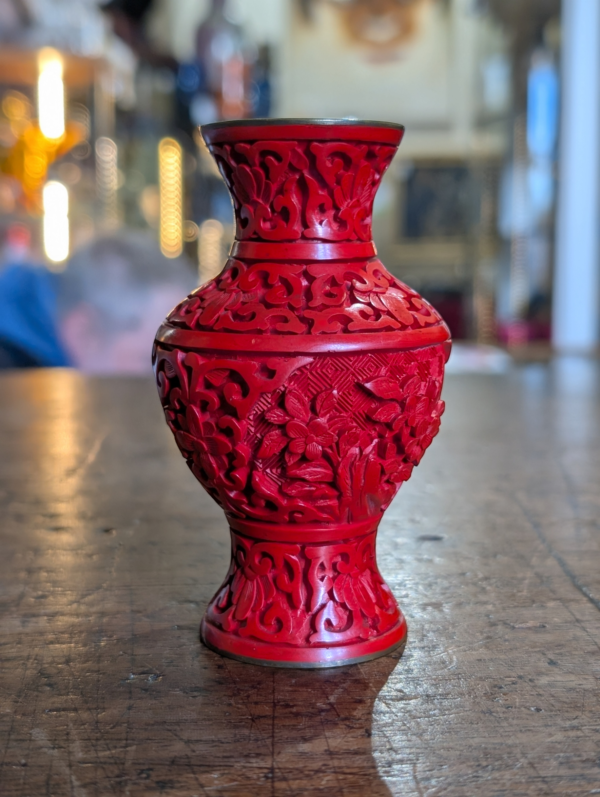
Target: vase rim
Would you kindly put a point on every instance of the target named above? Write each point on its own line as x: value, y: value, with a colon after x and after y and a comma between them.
x: 297, y: 121
x: 239, y: 130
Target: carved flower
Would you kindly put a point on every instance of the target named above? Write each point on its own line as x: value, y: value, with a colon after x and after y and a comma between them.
x: 302, y: 434
x: 309, y: 439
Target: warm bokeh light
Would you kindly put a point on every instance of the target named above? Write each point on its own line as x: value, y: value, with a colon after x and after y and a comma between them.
x: 56, y: 222
x: 51, y: 94
x: 210, y: 244
x: 107, y: 182
x: 170, y: 175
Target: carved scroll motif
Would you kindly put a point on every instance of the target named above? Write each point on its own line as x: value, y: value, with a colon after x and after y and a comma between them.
x: 304, y: 594
x: 288, y: 190
x: 315, y: 299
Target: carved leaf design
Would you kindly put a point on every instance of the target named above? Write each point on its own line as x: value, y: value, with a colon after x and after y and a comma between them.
x: 344, y: 475
x: 412, y: 385
x: 325, y: 402
x: 194, y: 420
x: 277, y: 415
x: 298, y: 446
x: 349, y: 440
x: 292, y: 456
x: 218, y: 444
x: 273, y: 443
x: 363, y: 596
x: 345, y: 464
x: 313, y: 451
x: 372, y: 477
x: 265, y: 486
x: 386, y: 413
x: 324, y: 438
x: 402, y: 474
x: 302, y: 489
x: 246, y: 599
x: 187, y: 442
x: 336, y: 423
x: 385, y: 388
x: 297, y: 405
x: 397, y: 305
x: 299, y: 159
x: 296, y: 429
x: 319, y: 471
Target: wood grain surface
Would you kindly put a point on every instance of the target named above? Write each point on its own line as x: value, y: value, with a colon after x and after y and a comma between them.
x: 110, y: 552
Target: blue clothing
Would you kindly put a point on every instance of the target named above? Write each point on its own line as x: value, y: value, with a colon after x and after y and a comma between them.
x: 29, y: 318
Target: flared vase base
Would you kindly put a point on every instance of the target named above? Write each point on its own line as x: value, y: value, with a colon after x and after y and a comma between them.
x: 308, y: 658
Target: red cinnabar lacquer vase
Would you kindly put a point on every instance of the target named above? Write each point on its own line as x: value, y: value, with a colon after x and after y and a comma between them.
x: 302, y: 386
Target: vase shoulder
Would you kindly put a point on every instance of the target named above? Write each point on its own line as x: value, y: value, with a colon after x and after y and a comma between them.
x: 321, y: 298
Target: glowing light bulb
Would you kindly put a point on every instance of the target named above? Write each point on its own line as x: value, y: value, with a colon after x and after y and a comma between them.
x: 51, y: 94
x: 56, y: 221
x: 170, y: 183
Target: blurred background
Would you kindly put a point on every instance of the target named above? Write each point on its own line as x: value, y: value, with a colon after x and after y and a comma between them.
x: 490, y: 209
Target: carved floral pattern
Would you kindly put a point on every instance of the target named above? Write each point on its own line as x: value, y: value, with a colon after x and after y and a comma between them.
x: 268, y: 447
x: 320, y: 298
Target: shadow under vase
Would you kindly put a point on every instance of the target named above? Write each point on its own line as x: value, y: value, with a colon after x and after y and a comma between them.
x: 296, y: 732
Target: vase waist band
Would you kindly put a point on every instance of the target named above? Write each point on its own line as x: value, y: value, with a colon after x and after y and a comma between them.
x: 303, y: 250
x: 305, y: 533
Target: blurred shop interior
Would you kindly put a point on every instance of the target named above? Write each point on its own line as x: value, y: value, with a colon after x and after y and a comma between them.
x: 100, y: 105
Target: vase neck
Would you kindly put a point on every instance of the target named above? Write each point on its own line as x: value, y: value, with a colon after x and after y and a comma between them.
x: 302, y: 190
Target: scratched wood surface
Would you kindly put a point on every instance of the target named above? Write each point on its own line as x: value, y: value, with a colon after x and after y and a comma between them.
x: 110, y: 551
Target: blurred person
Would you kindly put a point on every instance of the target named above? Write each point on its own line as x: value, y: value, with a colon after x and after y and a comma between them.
x: 99, y: 315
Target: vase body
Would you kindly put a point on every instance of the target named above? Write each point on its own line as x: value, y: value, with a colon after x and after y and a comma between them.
x: 302, y: 386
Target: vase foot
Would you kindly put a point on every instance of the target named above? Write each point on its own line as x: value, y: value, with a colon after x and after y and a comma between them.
x: 263, y: 654
x: 303, y: 596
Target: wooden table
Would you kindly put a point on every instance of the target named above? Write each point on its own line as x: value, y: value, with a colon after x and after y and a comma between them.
x: 110, y: 552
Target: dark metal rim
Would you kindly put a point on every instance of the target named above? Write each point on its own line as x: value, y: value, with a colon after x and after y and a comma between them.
x: 308, y: 122
x: 291, y: 665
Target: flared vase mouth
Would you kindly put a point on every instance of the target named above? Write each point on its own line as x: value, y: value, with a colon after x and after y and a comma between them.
x: 350, y: 122
x: 300, y: 128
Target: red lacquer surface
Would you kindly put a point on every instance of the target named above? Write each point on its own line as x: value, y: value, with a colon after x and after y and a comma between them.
x: 303, y: 386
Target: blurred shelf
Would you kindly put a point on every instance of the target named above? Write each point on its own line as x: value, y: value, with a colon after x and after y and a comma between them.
x: 19, y: 67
